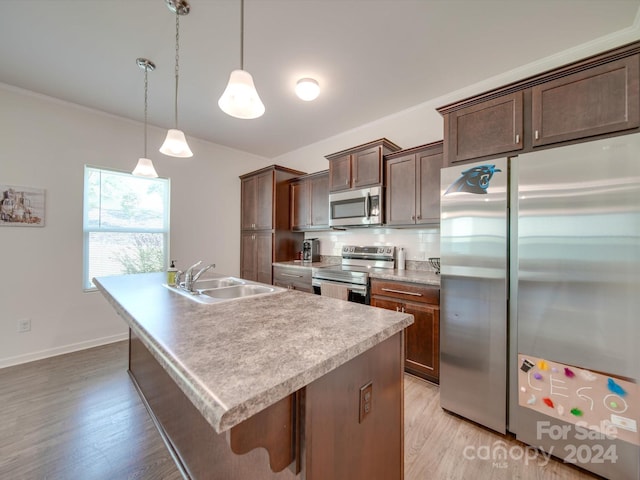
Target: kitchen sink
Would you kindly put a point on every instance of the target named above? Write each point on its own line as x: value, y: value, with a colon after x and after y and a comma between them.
x: 237, y: 291
x: 209, y: 283
x: 223, y: 289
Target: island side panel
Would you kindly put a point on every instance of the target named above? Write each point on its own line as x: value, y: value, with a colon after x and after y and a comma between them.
x: 337, y: 443
x: 202, y: 453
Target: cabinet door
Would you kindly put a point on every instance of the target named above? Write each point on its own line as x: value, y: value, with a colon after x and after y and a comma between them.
x: 386, y: 304
x: 367, y: 168
x: 340, y: 173
x: 598, y: 100
x: 264, y: 201
x: 248, y: 203
x: 422, y: 340
x: 401, y: 190
x: 300, y: 205
x: 248, y: 266
x: 264, y: 256
x: 488, y: 128
x: 428, y: 167
x: 319, y: 201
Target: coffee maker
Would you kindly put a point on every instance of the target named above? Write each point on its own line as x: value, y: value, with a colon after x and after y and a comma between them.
x: 311, y: 250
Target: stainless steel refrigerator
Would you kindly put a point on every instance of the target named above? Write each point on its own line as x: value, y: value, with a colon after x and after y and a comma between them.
x: 540, y: 300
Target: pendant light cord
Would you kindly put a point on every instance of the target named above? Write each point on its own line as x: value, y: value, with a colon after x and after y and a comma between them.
x: 241, y: 34
x: 146, y: 89
x: 177, y: 69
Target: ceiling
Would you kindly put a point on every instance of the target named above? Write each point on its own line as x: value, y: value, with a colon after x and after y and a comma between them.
x: 372, y: 58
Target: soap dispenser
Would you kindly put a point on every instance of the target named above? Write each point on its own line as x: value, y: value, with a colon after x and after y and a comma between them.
x: 171, y: 274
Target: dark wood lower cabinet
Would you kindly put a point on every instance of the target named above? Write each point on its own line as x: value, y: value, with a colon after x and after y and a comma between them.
x: 422, y: 339
x: 315, y: 433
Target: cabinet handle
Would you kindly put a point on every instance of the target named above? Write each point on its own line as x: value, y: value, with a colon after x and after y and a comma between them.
x: 346, y: 182
x: 397, y: 309
x: 402, y: 309
x: 517, y: 138
x: 391, y: 290
x: 419, y: 217
x: 291, y: 275
x: 413, y: 217
x: 537, y: 135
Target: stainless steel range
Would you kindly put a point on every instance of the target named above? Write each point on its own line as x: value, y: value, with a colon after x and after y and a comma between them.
x: 357, y: 263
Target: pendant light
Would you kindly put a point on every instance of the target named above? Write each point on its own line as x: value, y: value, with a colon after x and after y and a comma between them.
x: 175, y: 145
x: 144, y: 168
x: 240, y: 99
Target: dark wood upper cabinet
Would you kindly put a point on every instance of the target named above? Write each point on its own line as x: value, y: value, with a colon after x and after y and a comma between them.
x: 594, y: 97
x: 599, y: 100
x: 367, y: 167
x: 360, y: 166
x: 340, y: 173
x: 257, y: 194
x: 489, y: 128
x: 310, y: 202
x: 319, y: 185
x: 413, y: 185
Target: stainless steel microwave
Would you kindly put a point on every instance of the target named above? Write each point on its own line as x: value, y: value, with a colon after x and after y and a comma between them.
x: 356, y: 208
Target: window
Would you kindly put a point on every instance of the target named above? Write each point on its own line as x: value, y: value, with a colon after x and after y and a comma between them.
x: 125, y: 225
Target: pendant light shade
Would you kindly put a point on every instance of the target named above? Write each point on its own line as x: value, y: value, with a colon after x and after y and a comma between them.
x: 240, y: 99
x: 175, y: 144
x: 144, y: 168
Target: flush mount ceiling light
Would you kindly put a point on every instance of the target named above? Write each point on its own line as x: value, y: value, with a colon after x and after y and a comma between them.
x: 240, y: 99
x: 175, y: 145
x: 307, y: 89
x: 144, y: 168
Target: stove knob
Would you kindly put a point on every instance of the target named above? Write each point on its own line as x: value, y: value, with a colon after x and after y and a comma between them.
x: 389, y: 251
x: 352, y: 249
x: 380, y: 250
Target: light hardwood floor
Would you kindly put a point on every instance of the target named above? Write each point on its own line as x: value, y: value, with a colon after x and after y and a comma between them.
x: 77, y: 416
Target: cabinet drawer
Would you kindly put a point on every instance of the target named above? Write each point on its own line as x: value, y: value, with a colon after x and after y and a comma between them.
x: 293, y: 278
x: 413, y: 292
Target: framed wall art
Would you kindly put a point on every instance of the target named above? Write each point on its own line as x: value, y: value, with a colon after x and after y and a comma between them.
x: 22, y: 206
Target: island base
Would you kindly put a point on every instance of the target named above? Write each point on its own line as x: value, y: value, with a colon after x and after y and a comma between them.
x: 347, y: 424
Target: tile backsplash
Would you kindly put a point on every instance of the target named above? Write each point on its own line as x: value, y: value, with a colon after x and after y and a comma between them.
x: 419, y: 244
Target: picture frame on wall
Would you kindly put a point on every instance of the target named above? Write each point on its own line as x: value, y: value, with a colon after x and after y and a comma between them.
x: 22, y: 206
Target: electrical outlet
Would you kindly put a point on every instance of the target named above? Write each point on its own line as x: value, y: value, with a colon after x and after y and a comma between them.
x: 366, y: 401
x: 24, y: 325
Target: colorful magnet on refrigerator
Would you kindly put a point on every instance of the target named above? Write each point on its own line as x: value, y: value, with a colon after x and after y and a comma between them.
x: 537, y: 376
x: 569, y: 373
x: 542, y: 365
x: 526, y: 365
x: 615, y: 388
x: 560, y: 410
x: 532, y: 400
x: 548, y: 402
x: 523, y: 390
x: 576, y: 411
x: 588, y: 376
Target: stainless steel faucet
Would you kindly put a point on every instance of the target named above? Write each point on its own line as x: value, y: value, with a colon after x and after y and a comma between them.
x: 190, y: 278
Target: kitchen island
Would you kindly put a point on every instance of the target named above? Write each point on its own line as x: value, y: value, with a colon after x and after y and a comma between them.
x: 317, y: 382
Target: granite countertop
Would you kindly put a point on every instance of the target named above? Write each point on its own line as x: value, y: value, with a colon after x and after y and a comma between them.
x: 234, y: 359
x: 413, y: 276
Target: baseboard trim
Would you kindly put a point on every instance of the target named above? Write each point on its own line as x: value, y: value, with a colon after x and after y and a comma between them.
x: 54, y: 352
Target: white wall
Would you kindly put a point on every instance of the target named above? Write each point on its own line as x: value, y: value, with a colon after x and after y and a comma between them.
x: 45, y: 144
